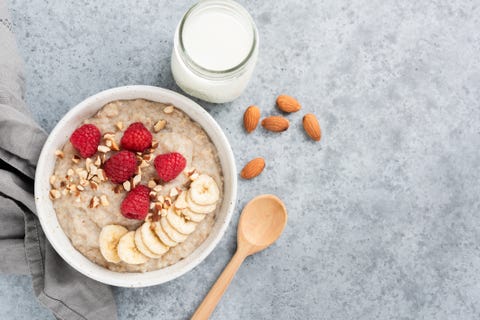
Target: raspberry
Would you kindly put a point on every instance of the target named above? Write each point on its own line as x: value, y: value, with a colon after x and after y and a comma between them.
x: 169, y: 165
x: 121, y: 166
x: 136, y: 203
x: 136, y: 137
x: 86, y: 139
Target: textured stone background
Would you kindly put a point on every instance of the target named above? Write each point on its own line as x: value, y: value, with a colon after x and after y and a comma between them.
x: 383, y: 212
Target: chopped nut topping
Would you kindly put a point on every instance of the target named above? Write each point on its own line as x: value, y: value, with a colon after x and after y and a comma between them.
x: 118, y: 188
x: 93, y: 185
x: 94, y: 202
x: 80, y: 187
x: 168, y: 109
x: 62, y: 184
x: 158, y: 206
x: 53, y: 178
x: 72, y: 188
x: 59, y: 154
x: 160, y: 199
x: 163, y: 212
x: 154, y: 144
x: 126, y: 185
x: 159, y: 125
x: 103, y: 156
x: 83, y: 182
x: 152, y: 205
x: 152, y: 195
x: 152, y: 184
x: 136, y: 180
x: 103, y: 149
x: 157, y: 188
x: 189, y: 171
x: 194, y: 176
x: 187, y: 184
x: 98, y: 161
x: 114, y: 145
x: 88, y: 162
x: 70, y: 172
x: 54, y: 194
x: 144, y: 164
x: 93, y: 169
x: 173, y: 192
x: 119, y: 125
x: 109, y: 136
x: 147, y: 157
x: 101, y: 175
x: 65, y: 192
x: 104, y: 200
x: 78, y: 200
x: 75, y: 159
x: 168, y: 202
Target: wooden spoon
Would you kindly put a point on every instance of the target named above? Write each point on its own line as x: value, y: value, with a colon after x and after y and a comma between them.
x: 261, y: 224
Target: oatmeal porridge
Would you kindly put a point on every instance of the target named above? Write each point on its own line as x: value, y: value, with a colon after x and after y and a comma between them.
x: 138, y: 186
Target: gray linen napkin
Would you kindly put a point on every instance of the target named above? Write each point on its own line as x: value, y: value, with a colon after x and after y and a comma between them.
x: 67, y: 293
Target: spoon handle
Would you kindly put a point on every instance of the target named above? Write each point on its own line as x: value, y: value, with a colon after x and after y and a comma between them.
x: 205, y: 309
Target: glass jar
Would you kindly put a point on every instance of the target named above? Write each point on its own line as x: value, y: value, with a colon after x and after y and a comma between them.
x: 215, y: 50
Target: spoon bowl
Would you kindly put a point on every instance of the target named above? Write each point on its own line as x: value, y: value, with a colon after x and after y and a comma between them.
x: 261, y: 224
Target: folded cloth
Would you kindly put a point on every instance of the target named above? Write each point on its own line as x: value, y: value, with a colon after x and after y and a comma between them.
x: 67, y: 293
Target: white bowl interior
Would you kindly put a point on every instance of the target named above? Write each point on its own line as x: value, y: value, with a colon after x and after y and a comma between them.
x: 61, y: 134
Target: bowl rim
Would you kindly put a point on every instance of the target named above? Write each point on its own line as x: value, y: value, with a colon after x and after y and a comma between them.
x: 47, y: 215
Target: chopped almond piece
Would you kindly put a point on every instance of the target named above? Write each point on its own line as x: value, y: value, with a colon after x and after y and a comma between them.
x: 94, y: 202
x: 168, y: 109
x: 103, y: 149
x: 151, y: 184
x: 104, y: 200
x: 159, y: 125
x: 54, y: 194
x: 75, y: 159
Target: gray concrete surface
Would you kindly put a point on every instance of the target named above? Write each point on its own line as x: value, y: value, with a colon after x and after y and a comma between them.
x: 384, y: 212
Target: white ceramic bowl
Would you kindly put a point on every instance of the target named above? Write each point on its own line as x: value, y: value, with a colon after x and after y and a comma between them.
x: 61, y: 134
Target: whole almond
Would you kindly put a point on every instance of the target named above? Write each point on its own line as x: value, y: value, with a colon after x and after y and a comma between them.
x: 253, y: 168
x: 311, y: 126
x: 251, y: 118
x: 275, y: 123
x: 288, y: 103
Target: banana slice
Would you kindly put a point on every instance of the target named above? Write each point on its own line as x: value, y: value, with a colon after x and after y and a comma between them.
x: 204, y: 190
x: 150, y: 239
x: 142, y: 247
x: 171, y: 232
x: 108, y: 241
x: 162, y: 235
x: 128, y: 252
x: 199, y: 208
x: 181, y: 202
x: 193, y: 216
x: 178, y: 223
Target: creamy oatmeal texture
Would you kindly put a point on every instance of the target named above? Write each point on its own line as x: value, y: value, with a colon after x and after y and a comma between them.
x: 82, y: 224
